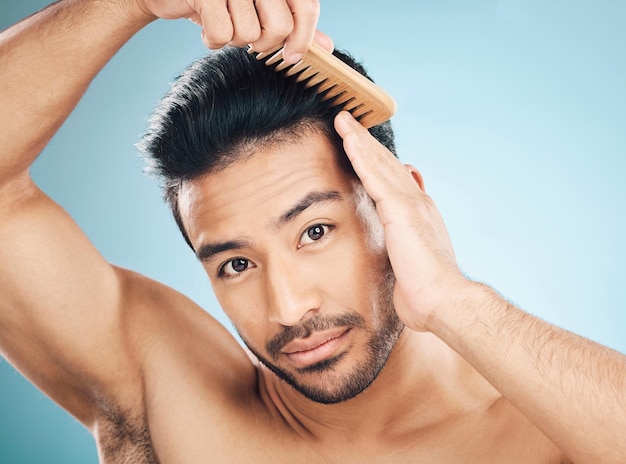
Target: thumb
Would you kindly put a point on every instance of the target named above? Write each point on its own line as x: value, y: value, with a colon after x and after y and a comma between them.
x: 324, y: 41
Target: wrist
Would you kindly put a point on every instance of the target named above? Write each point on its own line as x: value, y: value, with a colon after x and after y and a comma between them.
x: 464, y: 312
x: 133, y: 12
x: 130, y: 15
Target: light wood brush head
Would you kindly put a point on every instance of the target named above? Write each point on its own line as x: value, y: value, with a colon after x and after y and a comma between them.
x: 334, y: 79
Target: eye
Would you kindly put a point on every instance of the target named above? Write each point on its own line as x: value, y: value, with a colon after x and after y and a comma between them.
x: 233, y: 267
x: 314, y: 233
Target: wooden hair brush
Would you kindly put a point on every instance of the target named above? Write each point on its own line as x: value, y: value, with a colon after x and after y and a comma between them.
x: 367, y: 102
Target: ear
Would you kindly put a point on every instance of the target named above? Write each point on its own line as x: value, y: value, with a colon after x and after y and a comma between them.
x: 416, y: 175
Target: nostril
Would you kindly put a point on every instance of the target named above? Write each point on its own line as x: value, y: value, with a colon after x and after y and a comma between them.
x: 291, y: 293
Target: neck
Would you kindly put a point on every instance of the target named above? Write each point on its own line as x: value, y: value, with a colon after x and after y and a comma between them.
x: 424, y: 383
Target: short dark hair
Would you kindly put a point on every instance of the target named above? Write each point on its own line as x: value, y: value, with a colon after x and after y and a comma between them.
x: 225, y: 106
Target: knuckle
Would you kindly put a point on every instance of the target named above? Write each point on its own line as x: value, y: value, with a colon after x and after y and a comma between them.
x: 214, y: 42
x: 249, y: 34
x: 217, y: 37
x: 283, y: 27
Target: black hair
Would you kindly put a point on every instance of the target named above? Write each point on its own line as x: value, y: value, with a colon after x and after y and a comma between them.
x: 225, y: 106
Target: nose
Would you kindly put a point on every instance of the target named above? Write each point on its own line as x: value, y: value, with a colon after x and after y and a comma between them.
x: 291, y: 293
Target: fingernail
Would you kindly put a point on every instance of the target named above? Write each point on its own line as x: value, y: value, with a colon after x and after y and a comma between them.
x: 292, y: 58
x: 347, y: 116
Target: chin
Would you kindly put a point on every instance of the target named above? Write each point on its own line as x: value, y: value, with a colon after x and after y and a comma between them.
x: 330, y: 381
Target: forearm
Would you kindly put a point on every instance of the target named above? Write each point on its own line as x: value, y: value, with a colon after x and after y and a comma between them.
x: 574, y: 390
x: 46, y: 63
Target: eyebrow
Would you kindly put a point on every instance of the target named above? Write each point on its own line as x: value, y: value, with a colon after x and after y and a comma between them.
x: 308, y: 200
x: 208, y: 250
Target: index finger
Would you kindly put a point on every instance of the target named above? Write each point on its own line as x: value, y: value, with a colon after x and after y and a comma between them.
x: 379, y: 170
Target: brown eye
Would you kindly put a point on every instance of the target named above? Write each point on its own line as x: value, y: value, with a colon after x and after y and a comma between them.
x: 316, y: 232
x: 234, y: 267
x: 239, y: 265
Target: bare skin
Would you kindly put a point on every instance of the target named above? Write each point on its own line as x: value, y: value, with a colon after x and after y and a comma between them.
x: 153, y: 376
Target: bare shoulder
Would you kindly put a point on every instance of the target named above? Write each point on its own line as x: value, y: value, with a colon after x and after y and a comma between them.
x: 517, y: 439
x: 170, y: 331
x: 187, y: 366
x: 163, y: 318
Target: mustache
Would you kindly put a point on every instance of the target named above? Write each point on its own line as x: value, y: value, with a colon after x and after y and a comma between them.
x: 308, y: 327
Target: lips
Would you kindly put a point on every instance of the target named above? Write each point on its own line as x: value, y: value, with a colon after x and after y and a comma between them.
x: 316, y: 348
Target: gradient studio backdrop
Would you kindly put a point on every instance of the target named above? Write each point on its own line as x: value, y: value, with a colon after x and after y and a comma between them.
x: 514, y: 111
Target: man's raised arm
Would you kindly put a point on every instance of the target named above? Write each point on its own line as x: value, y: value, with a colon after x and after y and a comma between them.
x: 48, y: 60
x: 572, y: 389
x: 64, y: 311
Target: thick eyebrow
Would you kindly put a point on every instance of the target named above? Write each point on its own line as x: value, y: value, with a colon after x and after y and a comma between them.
x: 308, y: 200
x: 208, y: 250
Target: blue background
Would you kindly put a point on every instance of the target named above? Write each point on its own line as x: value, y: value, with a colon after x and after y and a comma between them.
x: 513, y: 110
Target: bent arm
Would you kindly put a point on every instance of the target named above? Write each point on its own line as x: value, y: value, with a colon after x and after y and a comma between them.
x: 47, y: 62
x: 61, y: 301
x: 571, y: 388
x: 69, y: 321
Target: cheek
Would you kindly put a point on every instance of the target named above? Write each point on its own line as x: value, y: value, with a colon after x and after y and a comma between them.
x: 241, y: 306
x: 348, y: 271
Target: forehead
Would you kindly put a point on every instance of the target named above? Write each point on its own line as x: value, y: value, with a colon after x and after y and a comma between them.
x: 255, y: 190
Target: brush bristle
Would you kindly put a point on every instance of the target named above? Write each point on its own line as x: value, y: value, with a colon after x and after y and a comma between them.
x: 334, y: 79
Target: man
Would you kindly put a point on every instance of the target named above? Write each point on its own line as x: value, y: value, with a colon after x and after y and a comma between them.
x: 306, y: 280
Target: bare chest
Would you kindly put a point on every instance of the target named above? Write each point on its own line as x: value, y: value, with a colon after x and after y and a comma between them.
x: 194, y: 410
x: 260, y: 440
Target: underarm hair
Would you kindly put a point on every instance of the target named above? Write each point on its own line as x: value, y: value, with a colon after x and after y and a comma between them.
x: 124, y: 436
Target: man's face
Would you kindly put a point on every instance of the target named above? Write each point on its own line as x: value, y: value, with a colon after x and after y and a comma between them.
x: 292, y: 266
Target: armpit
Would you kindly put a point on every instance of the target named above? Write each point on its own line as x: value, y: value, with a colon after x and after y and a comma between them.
x: 123, y: 436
